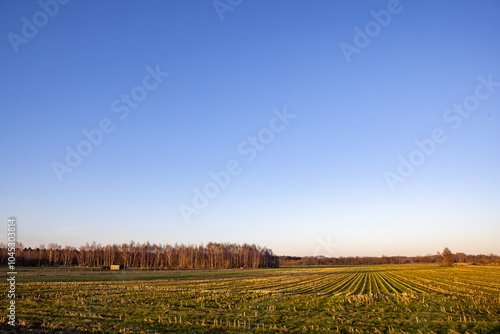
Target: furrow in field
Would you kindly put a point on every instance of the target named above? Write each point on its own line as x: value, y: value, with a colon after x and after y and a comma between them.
x: 360, y: 285
x: 384, y: 286
x: 394, y: 284
x: 423, y: 287
x: 304, y: 286
x: 469, y: 284
x: 348, y: 288
x: 411, y: 285
x: 329, y: 281
x: 337, y: 286
x: 437, y: 284
x: 370, y: 283
x: 315, y: 287
x: 375, y: 288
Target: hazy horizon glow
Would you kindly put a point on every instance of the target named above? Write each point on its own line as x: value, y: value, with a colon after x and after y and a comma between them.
x: 179, y: 95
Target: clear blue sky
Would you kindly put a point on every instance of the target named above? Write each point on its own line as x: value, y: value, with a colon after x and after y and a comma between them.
x: 317, y: 186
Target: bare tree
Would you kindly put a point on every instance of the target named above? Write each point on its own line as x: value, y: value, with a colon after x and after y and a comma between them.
x: 447, y: 258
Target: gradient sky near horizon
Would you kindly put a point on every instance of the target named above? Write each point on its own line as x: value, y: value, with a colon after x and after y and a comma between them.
x: 317, y: 188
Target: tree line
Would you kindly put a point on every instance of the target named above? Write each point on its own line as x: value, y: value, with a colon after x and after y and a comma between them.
x: 446, y: 259
x: 146, y: 255
x: 211, y: 256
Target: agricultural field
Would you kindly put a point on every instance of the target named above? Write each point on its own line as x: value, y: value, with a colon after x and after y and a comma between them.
x: 362, y: 299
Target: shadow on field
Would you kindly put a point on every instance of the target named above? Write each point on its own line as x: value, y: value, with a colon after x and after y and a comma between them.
x: 495, y: 330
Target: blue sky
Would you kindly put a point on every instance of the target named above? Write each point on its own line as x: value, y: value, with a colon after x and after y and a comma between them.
x: 317, y: 186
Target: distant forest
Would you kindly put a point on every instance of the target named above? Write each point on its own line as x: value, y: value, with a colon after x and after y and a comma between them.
x: 146, y: 256
x: 490, y: 259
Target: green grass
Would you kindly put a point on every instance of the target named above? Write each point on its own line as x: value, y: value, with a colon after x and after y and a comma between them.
x: 361, y: 299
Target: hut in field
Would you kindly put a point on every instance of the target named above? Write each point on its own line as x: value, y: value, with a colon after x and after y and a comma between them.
x: 117, y: 267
